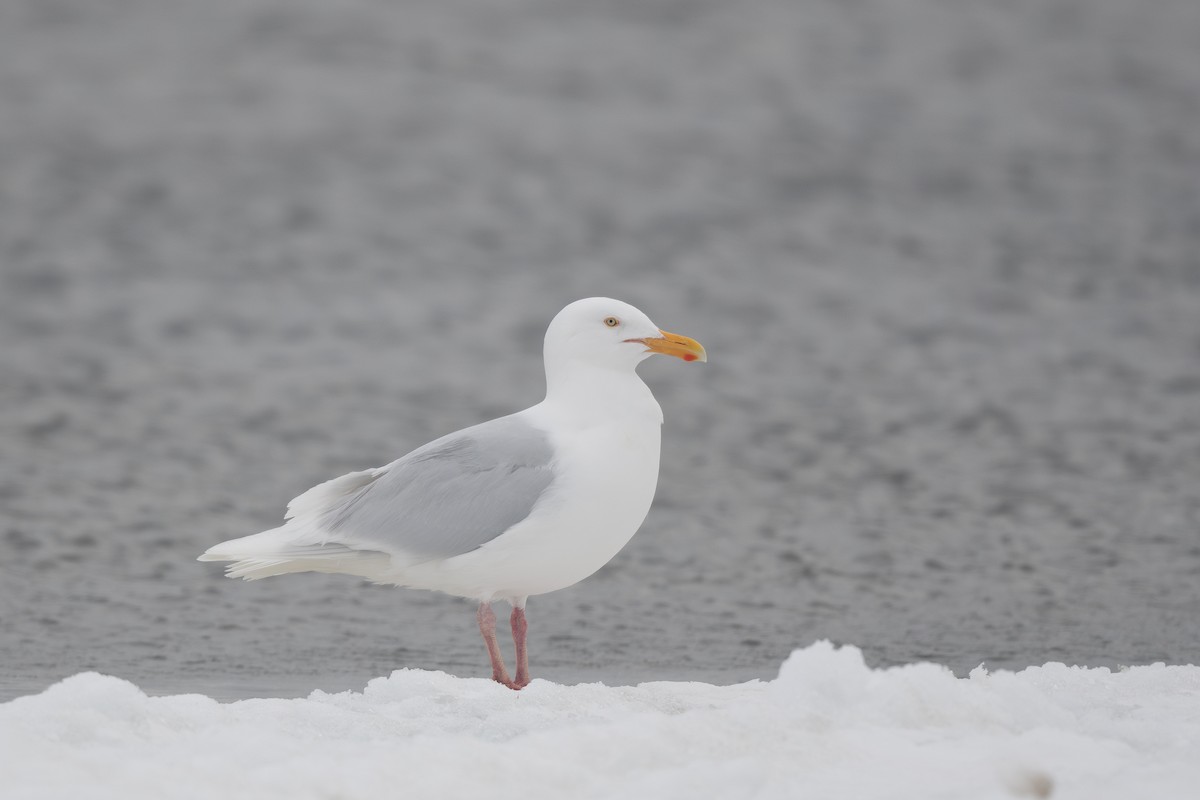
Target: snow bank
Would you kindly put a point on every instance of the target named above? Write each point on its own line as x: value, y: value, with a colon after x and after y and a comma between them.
x: 827, y: 727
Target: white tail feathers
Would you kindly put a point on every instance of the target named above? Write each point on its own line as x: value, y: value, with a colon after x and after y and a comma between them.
x: 300, y: 545
x: 276, y: 552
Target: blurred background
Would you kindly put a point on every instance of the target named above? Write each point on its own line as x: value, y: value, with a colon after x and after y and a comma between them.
x: 945, y: 257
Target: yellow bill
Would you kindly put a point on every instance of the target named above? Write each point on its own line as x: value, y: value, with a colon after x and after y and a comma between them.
x: 672, y: 344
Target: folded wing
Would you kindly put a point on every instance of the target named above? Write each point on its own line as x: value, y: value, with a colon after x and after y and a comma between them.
x: 447, y: 498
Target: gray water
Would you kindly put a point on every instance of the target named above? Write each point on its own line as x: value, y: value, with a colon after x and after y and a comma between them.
x: 945, y: 258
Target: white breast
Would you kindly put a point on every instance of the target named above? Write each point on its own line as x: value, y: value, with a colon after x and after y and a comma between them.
x: 607, y: 473
x: 608, y: 478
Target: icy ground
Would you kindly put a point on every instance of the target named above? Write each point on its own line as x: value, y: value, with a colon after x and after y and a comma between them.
x: 827, y: 727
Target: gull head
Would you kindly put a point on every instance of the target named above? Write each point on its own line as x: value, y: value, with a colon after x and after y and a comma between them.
x: 603, y: 332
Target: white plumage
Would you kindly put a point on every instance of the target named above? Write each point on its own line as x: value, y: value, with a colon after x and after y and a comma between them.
x: 518, y: 506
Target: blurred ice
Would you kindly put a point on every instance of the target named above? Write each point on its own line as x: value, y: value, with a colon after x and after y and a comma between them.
x: 828, y: 726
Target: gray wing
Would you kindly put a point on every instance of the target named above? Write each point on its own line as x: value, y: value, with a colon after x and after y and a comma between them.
x: 446, y: 498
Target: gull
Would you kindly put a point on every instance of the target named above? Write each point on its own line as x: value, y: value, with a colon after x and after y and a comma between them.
x: 522, y: 505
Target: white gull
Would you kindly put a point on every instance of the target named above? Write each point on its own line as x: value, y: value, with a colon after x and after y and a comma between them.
x: 522, y: 505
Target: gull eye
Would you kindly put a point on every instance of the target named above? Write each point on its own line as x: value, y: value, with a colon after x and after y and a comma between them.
x: 612, y: 322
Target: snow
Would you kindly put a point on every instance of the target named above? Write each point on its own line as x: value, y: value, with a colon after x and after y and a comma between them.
x: 828, y: 726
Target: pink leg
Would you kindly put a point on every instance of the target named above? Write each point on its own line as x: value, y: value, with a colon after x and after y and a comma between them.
x: 519, y: 627
x: 487, y: 626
